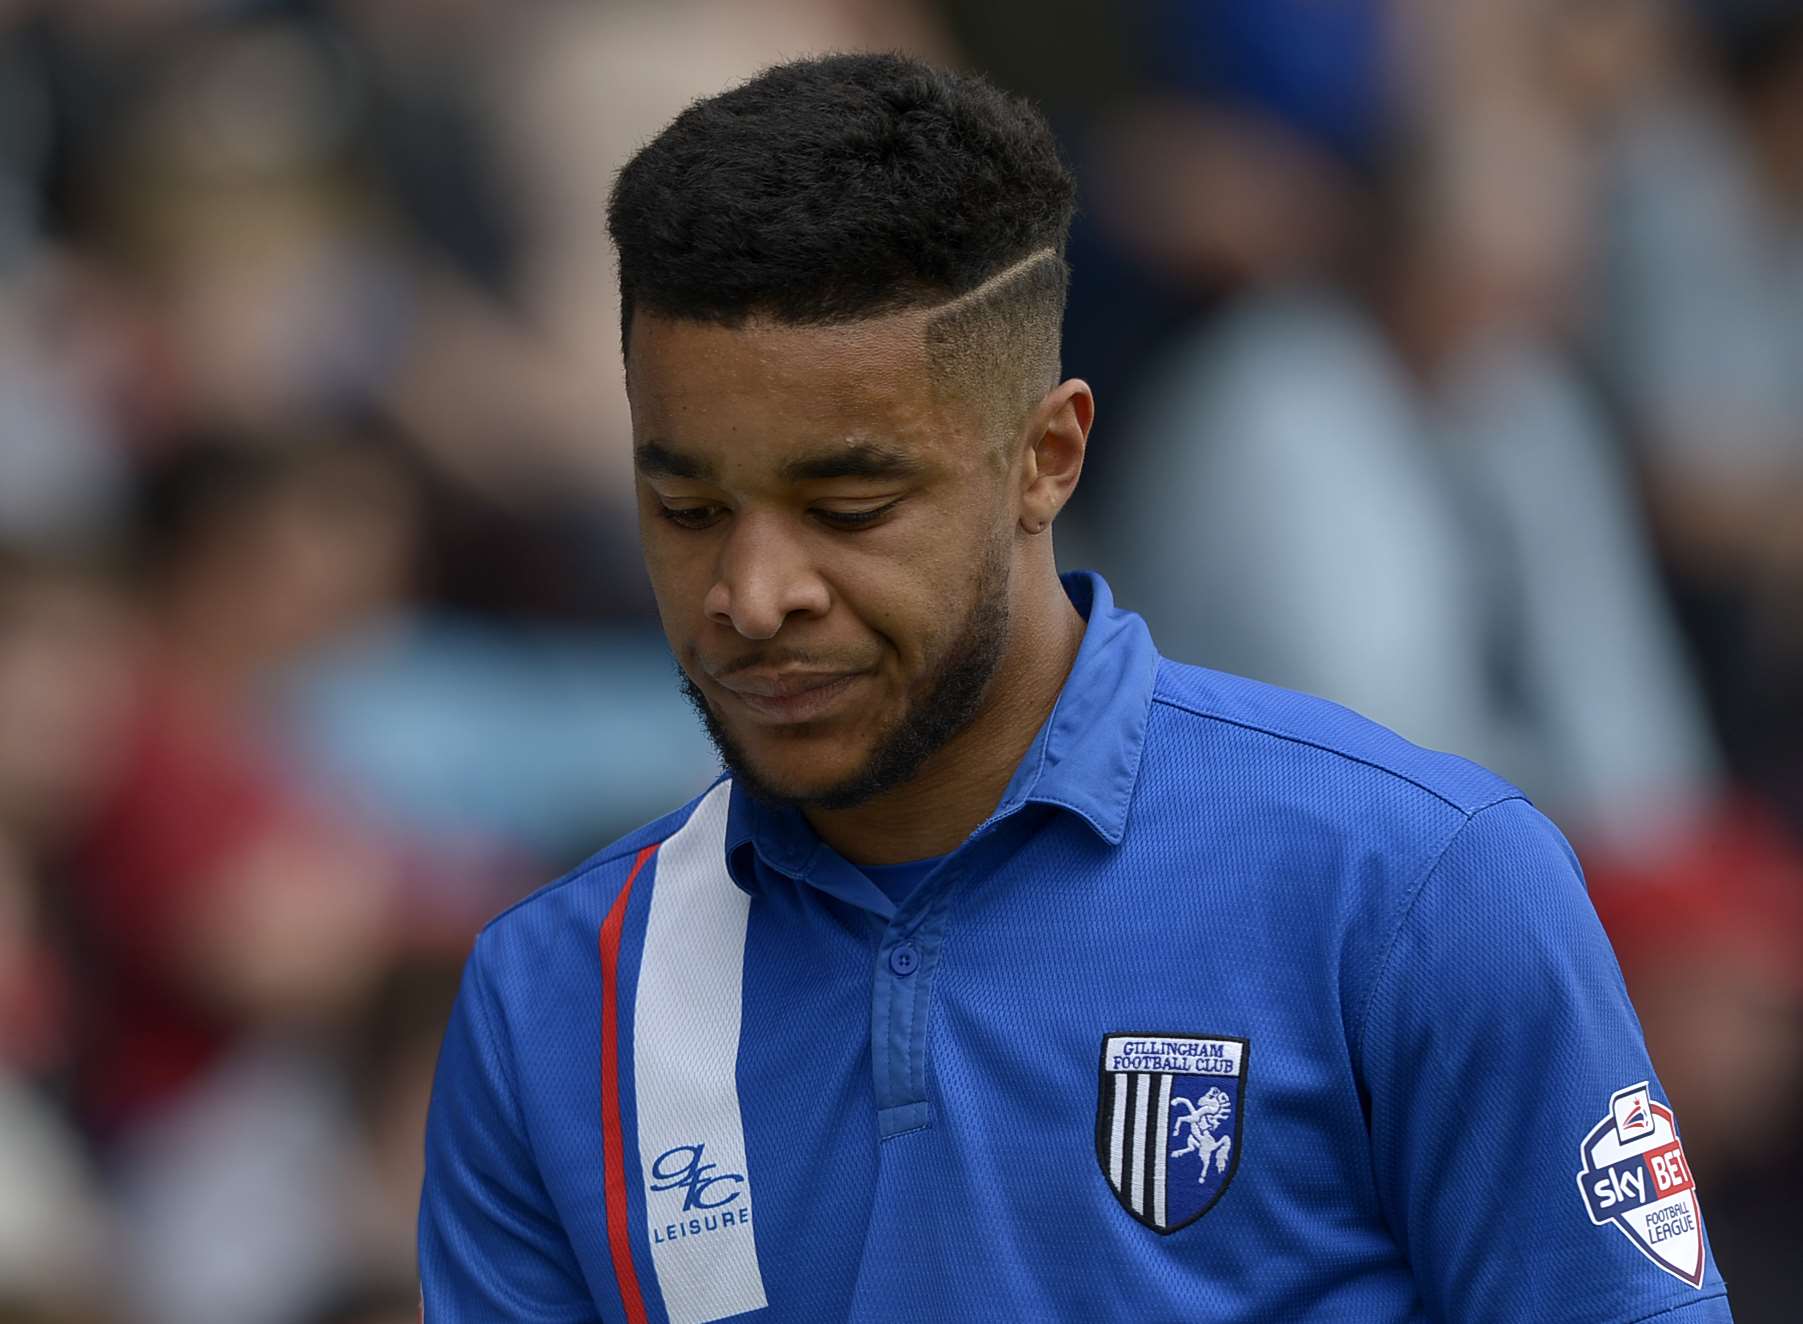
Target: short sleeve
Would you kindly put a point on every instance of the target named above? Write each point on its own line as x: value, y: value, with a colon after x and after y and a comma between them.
x: 490, y: 1244
x: 1497, y: 1035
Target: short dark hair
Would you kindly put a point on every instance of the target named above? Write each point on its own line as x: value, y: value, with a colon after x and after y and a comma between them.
x: 843, y: 187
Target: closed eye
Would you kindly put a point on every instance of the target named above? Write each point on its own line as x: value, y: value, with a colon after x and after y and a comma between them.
x: 691, y: 517
x: 850, y: 521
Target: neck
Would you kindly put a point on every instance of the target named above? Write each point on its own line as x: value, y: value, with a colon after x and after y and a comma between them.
x: 962, y: 782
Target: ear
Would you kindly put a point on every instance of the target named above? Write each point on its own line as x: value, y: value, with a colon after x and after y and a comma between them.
x: 1057, y: 435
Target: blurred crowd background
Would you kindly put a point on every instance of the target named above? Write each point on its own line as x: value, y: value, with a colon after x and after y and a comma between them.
x: 1450, y: 360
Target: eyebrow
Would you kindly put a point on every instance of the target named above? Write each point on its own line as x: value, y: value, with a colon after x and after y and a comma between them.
x: 660, y: 461
x: 851, y: 460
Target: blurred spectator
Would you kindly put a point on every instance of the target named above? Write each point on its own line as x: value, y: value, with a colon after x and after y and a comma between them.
x: 1398, y: 493
x: 1700, y: 326
x: 62, y: 632
x: 1462, y: 567
x: 336, y: 1125
x: 217, y: 894
x: 230, y: 206
x: 64, y: 641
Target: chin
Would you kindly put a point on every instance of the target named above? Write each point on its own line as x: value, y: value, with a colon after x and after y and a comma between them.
x: 828, y: 764
x: 794, y: 775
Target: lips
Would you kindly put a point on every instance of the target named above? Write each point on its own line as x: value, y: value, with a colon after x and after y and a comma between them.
x: 783, y: 697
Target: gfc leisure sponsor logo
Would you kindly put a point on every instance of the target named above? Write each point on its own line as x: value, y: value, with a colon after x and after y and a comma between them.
x: 711, y: 1199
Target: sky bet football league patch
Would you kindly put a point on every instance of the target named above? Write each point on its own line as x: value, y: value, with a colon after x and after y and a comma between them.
x: 1636, y: 1177
x: 1168, y: 1111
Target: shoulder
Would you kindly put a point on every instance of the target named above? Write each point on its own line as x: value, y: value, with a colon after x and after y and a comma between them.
x: 1407, y: 859
x: 1302, y: 745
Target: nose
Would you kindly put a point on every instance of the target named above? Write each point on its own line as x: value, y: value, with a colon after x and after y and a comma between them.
x: 764, y: 576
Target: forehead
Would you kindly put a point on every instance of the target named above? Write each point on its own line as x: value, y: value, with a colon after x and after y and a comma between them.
x: 767, y: 388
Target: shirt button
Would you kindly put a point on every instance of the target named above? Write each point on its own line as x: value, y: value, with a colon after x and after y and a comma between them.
x: 904, y: 959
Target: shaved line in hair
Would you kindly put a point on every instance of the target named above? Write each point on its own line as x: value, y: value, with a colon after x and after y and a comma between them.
x: 998, y: 344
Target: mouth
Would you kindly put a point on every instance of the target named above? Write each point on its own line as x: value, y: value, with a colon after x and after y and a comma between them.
x: 788, y: 697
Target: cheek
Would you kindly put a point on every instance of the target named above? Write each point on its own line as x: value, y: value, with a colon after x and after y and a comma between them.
x: 916, y: 601
x: 679, y: 578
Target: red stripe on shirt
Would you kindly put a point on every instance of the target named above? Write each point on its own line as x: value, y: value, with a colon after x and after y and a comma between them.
x: 613, y: 1148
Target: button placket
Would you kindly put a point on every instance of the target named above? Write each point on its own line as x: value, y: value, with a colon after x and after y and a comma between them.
x: 906, y: 967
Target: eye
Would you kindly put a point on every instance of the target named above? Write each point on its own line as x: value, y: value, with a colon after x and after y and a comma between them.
x: 691, y: 517
x: 849, y: 521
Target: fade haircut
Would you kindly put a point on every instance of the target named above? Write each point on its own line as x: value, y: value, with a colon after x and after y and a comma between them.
x: 845, y: 187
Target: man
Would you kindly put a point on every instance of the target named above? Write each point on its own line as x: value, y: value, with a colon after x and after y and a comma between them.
x: 1012, y: 972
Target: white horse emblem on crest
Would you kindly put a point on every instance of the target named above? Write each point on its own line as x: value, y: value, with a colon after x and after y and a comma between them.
x: 1204, y: 1115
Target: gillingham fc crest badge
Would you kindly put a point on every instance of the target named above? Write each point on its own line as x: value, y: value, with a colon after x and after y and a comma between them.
x: 1168, y: 1114
x: 1635, y: 1176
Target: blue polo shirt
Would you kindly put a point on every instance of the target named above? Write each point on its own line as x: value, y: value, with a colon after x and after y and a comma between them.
x: 1237, y: 1008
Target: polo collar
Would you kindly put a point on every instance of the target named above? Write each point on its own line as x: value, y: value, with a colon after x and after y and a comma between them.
x: 1085, y: 759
